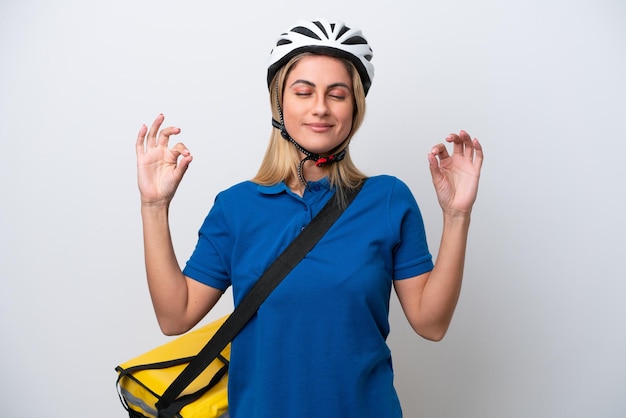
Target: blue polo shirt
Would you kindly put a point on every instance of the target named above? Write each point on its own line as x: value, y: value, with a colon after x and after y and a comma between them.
x: 317, y: 346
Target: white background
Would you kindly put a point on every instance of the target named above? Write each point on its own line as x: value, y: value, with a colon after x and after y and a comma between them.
x: 539, y: 331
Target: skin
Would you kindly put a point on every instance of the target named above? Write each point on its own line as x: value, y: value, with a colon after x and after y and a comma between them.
x: 179, y: 302
x: 318, y: 108
x: 429, y: 300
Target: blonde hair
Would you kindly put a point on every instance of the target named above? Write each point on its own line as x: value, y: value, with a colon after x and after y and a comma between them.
x: 281, y: 159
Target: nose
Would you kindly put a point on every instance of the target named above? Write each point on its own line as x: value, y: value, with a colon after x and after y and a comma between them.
x: 320, y: 106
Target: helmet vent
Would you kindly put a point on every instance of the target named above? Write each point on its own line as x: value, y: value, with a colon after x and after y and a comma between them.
x: 355, y: 40
x: 319, y: 25
x: 306, y: 32
x: 343, y: 30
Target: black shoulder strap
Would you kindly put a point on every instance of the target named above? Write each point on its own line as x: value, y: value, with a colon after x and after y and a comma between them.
x: 275, y: 273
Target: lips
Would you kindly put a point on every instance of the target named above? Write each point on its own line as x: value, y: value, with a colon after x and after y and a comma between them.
x: 319, y: 127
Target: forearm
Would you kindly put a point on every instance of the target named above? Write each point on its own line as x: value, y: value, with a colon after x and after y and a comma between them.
x: 166, y: 282
x: 443, y: 287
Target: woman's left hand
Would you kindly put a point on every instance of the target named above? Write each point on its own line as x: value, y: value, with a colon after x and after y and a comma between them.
x: 456, y: 176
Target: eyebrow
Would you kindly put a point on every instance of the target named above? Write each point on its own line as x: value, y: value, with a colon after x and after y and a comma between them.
x: 332, y: 86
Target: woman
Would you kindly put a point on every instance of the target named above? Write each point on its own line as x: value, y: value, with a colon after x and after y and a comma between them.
x: 316, y: 347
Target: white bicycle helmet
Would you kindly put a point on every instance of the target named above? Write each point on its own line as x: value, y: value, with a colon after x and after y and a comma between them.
x: 327, y: 38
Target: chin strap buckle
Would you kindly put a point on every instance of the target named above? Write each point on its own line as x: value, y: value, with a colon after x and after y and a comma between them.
x: 322, y: 161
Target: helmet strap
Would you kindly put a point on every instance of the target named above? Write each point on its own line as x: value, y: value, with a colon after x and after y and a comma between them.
x: 319, y: 160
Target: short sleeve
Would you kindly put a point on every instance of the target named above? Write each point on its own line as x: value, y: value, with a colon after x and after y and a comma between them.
x: 411, y: 255
x: 210, y: 260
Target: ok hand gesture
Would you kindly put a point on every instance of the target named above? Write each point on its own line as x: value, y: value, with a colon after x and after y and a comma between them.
x: 456, y: 176
x: 159, y: 168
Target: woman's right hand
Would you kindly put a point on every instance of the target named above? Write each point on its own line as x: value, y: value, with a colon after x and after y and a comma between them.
x: 159, y: 168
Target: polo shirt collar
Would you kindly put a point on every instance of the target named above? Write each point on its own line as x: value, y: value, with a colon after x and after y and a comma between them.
x: 273, y: 189
x: 282, y: 187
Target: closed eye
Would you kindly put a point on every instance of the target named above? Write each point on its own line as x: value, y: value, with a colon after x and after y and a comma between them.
x: 339, y: 91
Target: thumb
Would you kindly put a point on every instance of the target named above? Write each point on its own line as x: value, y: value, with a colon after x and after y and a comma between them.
x: 183, y: 158
x: 433, y: 165
x: 183, y: 165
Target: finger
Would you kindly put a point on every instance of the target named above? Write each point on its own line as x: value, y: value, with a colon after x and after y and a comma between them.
x: 461, y: 142
x: 154, y: 129
x: 181, y: 166
x: 457, y: 143
x: 180, y: 150
x: 433, y: 165
x: 478, y: 153
x: 439, y: 151
x: 471, y: 147
x: 141, y: 138
x: 165, y: 134
x: 467, y: 145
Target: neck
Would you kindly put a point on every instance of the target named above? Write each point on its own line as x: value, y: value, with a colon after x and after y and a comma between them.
x: 312, y: 172
x: 312, y: 166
